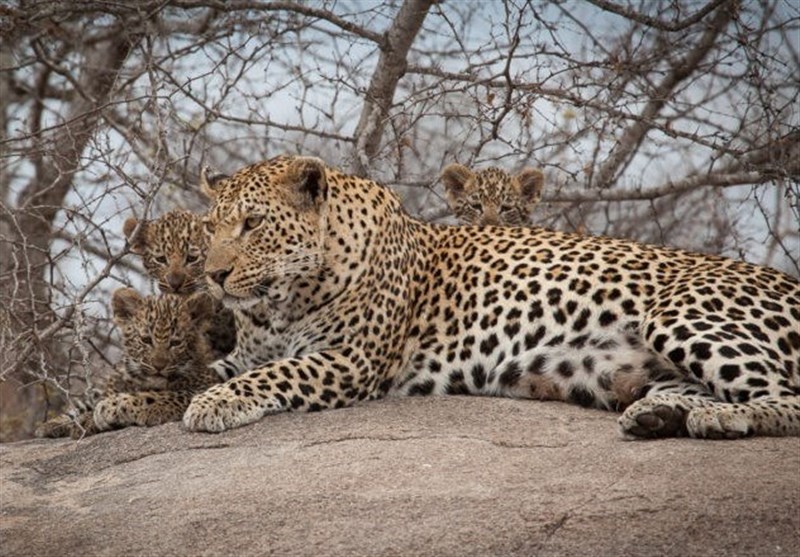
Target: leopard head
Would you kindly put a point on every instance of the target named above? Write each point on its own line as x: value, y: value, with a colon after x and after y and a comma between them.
x: 267, y: 227
x: 492, y: 196
x: 164, y: 337
x: 172, y: 248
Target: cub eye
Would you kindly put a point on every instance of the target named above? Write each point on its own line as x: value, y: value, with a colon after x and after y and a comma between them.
x: 192, y: 258
x: 174, y: 343
x: 252, y: 222
x: 161, y: 259
x: 208, y: 226
x: 147, y: 340
x: 476, y: 206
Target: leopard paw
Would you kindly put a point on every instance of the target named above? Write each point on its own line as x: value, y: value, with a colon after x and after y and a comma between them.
x: 718, y: 423
x: 113, y: 412
x: 60, y: 426
x: 652, y: 418
x: 221, y: 407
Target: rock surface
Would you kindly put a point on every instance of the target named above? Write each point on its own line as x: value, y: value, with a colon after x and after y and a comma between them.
x: 419, y: 476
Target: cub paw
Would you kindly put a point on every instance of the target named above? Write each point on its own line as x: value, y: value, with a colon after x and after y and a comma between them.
x: 652, y: 418
x: 60, y: 426
x: 718, y: 423
x: 113, y: 412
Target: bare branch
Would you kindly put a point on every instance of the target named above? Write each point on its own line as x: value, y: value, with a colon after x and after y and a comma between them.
x: 632, y: 137
x: 390, y: 68
x: 655, y: 23
x: 670, y: 188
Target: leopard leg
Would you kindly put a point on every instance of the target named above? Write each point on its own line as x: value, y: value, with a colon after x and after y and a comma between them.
x: 147, y: 408
x: 668, y: 412
x: 59, y: 426
x: 328, y: 379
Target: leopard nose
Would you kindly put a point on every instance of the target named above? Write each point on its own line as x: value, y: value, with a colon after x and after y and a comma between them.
x: 219, y: 275
x: 175, y: 280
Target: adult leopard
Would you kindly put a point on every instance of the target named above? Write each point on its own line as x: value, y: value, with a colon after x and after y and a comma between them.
x: 363, y: 300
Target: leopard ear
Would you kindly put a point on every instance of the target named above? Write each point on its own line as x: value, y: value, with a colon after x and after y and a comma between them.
x: 531, y: 183
x: 308, y: 183
x: 455, y: 177
x: 124, y: 303
x: 211, y: 183
x: 135, y: 241
x: 200, y: 306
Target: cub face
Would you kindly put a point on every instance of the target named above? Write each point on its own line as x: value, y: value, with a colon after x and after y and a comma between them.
x: 492, y: 196
x: 173, y: 249
x: 163, y: 336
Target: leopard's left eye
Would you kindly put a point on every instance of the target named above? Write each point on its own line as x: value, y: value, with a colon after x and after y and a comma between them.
x: 208, y: 226
x: 252, y: 222
x: 174, y: 343
x: 192, y: 258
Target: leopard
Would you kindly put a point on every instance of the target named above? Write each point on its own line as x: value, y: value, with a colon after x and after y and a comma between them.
x: 164, y: 363
x: 173, y: 248
x: 491, y: 197
x: 353, y: 299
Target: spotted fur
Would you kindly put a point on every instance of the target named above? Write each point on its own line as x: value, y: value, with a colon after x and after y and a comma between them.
x: 491, y: 196
x: 173, y: 250
x: 165, y: 362
x: 352, y: 299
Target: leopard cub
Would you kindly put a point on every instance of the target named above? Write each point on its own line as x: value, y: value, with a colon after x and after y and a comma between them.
x: 491, y: 196
x: 173, y: 250
x: 165, y: 363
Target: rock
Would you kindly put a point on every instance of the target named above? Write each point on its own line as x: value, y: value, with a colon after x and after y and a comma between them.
x: 418, y: 476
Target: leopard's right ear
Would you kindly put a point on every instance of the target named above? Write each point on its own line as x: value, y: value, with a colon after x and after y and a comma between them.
x: 455, y: 177
x: 124, y: 303
x: 135, y: 241
x: 211, y: 183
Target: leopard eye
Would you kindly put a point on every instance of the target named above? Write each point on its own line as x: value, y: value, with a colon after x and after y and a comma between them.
x: 174, y: 343
x: 252, y: 222
x: 161, y: 259
x: 192, y: 258
x: 476, y: 206
x: 208, y: 227
x: 147, y: 340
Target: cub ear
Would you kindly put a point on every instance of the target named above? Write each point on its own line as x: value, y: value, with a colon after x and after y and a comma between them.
x: 211, y: 182
x: 531, y: 183
x: 136, y: 242
x: 455, y: 177
x: 124, y: 303
x: 308, y: 182
x: 200, y: 306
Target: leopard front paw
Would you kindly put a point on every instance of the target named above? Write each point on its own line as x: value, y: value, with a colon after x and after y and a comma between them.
x: 114, y: 412
x: 223, y: 407
x: 60, y: 426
